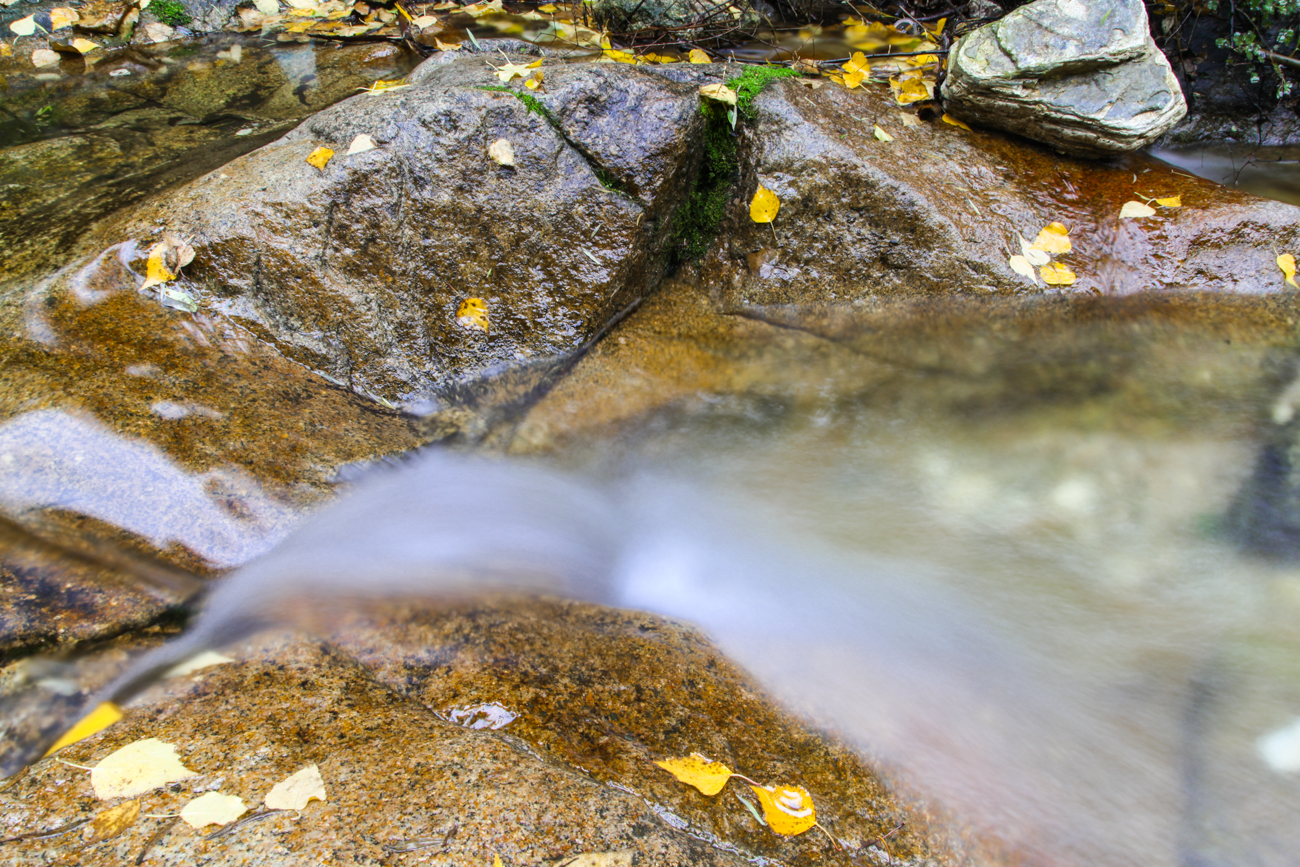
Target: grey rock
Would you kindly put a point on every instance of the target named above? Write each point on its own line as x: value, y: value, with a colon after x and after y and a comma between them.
x: 690, y: 20
x: 1085, y: 78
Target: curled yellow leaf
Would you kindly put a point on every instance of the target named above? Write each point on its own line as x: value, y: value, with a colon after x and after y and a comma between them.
x: 473, y: 313
x: 947, y: 118
x: 98, y: 719
x: 910, y: 88
x: 763, y: 207
x: 1053, y: 239
x: 1056, y: 274
x: 854, y: 78
x: 695, y: 770
x: 787, y: 809
x: 1170, y: 202
x: 719, y: 92
x: 319, y: 157
x: 1287, y: 263
x: 698, y: 55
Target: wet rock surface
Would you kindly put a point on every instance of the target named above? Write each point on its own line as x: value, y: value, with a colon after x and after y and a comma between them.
x: 1085, y: 78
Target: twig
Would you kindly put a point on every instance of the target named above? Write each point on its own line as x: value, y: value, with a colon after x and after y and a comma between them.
x: 48, y: 832
x: 153, y: 840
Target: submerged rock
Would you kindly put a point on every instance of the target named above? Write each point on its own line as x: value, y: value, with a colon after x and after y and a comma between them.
x: 1085, y: 78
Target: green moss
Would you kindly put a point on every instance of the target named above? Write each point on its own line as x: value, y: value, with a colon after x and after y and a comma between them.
x: 750, y: 83
x: 171, y: 12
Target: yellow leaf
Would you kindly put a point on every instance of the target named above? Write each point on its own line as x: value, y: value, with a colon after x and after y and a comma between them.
x: 98, y: 719
x: 62, y: 16
x: 156, y: 272
x: 1053, y: 239
x: 319, y: 157
x: 85, y: 46
x: 698, y: 55
x: 924, y: 59
x: 787, y: 809
x: 197, y: 662
x: 1032, y: 254
x: 295, y: 791
x: 619, y: 56
x: 882, y: 135
x: 548, y: 8
x: 43, y: 57
x: 1287, y: 263
x: 508, y: 70
x: 496, y: 861
x: 719, y: 92
x: 909, y: 88
x: 857, y: 63
x: 1170, y: 202
x: 6, y: 50
x: 1056, y: 274
x: 360, y: 145
x: 535, y: 81
x: 695, y: 770
x: 501, y: 152
x: 382, y: 86
x: 113, y: 821
x: 445, y: 46
x: 25, y: 26
x: 1135, y: 209
x: 854, y: 79
x: 763, y: 207
x: 1023, y: 267
x: 947, y: 118
x: 213, y: 808
x: 473, y: 313
x: 137, y: 768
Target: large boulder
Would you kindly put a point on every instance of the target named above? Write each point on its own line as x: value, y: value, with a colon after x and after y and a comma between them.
x: 1085, y: 78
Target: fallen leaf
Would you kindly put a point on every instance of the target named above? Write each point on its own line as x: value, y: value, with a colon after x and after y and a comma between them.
x: 197, y: 662
x: 857, y: 63
x: 619, y: 56
x: 1135, y: 209
x: 699, y: 55
x: 25, y: 26
x: 809, y: 82
x: 382, y: 86
x: 214, y: 808
x: 159, y: 32
x: 62, y: 16
x: 97, y: 720
x: 473, y: 313
x: 445, y: 46
x: 166, y: 259
x: 854, y: 78
x: 910, y: 88
x: 947, y: 118
x: 501, y: 152
x: 1023, y: 267
x: 360, y: 145
x: 425, y: 21
x: 695, y: 770
x: 1056, y: 274
x: 535, y: 81
x: 496, y: 861
x: 319, y: 157
x: 177, y: 299
x: 267, y: 7
x: 1054, y: 239
x: 719, y: 92
x: 509, y: 70
x: 764, y: 205
x: 1170, y: 202
x: 548, y: 8
x: 296, y: 790
x: 787, y: 809
x: 43, y: 57
x: 137, y: 768
x: 113, y: 821
x: 1287, y: 263
x: 881, y: 134
x: 1033, y: 255
x: 85, y: 46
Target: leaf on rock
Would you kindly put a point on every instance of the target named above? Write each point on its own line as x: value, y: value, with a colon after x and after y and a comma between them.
x: 787, y: 809
x: 177, y: 299
x: 854, y: 79
x: 699, y: 55
x: 1287, y: 263
x: 1056, y: 274
x: 137, y: 768
x: 1053, y: 239
x: 618, y: 56
x: 319, y: 157
x: 1135, y: 209
x: 473, y: 313
x: 166, y: 259
x: 197, y: 662
x: 445, y: 46
x: 509, y: 70
x: 360, y: 145
x: 85, y: 46
x: 1023, y: 267
x: 881, y: 135
x: 910, y: 88
x: 383, y: 86
x: 62, y: 16
x: 293, y: 792
x: 1032, y: 254
x: 97, y: 720
x: 25, y: 26
x: 43, y: 57
x: 695, y: 770
x: 535, y: 80
x: 267, y: 7
x: 214, y: 808
x: 764, y: 205
x: 113, y: 821
x: 947, y: 118
x: 1170, y: 202
x: 502, y: 153
x: 719, y: 92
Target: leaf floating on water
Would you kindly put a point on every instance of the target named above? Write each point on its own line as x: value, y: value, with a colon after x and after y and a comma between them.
x: 1056, y: 274
x: 473, y: 313
x: 699, y: 55
x: 787, y: 809
x: 97, y: 720
x: 695, y: 770
x: 214, y: 808
x: 1170, y: 202
x: 319, y: 157
x: 1053, y: 239
x: 502, y: 153
x: 113, y: 821
x: 1287, y: 263
x: 1135, y: 209
x: 43, y: 57
x: 1032, y: 254
x: 137, y: 768
x: 296, y: 790
x: 947, y: 118
x: 763, y: 207
x: 1023, y: 267
x: 881, y: 135
x: 25, y: 26
x: 719, y: 92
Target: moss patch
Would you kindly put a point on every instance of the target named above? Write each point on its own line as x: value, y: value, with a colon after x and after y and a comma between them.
x: 171, y: 12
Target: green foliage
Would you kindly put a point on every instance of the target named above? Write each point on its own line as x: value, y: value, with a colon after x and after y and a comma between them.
x: 1260, y: 30
x: 171, y: 12
x: 750, y: 83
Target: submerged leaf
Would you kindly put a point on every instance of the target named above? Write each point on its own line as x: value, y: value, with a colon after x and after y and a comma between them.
x: 97, y: 720
x: 113, y: 821
x: 1023, y: 267
x: 763, y: 207
x: 473, y: 313
x: 295, y: 791
x: 214, y: 808
x: 787, y: 809
x: 502, y: 153
x: 1287, y: 263
x: 1056, y: 274
x: 1135, y: 209
x: 197, y: 662
x: 43, y: 57
x: 137, y: 768
x: 320, y: 157
x: 1053, y: 239
x: 695, y: 770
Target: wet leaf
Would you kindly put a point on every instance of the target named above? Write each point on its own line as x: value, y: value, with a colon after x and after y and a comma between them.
x: 1287, y: 263
x: 319, y: 157
x: 445, y: 46
x: 854, y: 79
x: 214, y: 808
x: 699, y: 55
x: 910, y: 88
x: 1032, y: 254
x: 85, y: 46
x: 1135, y: 209
x: 1056, y: 274
x: 787, y: 809
x: 113, y: 821
x: 1054, y: 239
x: 1023, y: 267
x: 166, y: 259
x: 1170, y: 202
x: 764, y: 205
x: 43, y: 57
x: 177, y: 299
x: 719, y: 92
x: 424, y: 22
x: 695, y: 770
x: 947, y: 118
x: 137, y: 768
x: 473, y: 313
x: 97, y: 720
x: 25, y: 26
x: 267, y: 7
x: 502, y: 153
x: 197, y: 662
x: 295, y: 791
x: 62, y: 16
x: 360, y: 145
x: 881, y: 135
